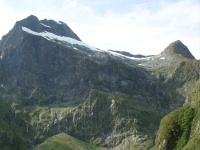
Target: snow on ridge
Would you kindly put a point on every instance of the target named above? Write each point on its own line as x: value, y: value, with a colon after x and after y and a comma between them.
x: 53, y: 37
x: 45, y: 25
x: 133, y: 58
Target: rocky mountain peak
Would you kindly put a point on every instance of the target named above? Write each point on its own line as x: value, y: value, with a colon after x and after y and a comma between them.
x: 177, y: 48
x: 58, y: 28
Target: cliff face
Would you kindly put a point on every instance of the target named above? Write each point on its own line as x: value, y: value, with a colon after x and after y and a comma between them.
x: 52, y: 82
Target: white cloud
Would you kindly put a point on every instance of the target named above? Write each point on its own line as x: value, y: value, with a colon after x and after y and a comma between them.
x: 6, y: 20
x: 149, y: 32
x: 147, y: 27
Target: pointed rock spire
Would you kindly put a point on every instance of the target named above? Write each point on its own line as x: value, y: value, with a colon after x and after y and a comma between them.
x: 177, y: 48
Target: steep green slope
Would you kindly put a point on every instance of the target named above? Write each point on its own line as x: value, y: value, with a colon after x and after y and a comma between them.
x: 194, y: 100
x: 12, y: 128
x: 65, y: 142
x: 180, y: 128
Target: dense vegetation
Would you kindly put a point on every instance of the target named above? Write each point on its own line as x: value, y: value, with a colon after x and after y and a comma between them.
x: 180, y: 128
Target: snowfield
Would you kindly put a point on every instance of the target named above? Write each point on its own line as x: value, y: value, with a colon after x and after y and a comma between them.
x: 53, y: 37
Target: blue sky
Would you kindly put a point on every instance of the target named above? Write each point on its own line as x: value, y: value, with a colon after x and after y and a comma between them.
x: 140, y: 27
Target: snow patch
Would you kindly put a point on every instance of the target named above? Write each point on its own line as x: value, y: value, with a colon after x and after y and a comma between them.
x: 75, y: 48
x: 45, y: 25
x: 2, y: 54
x: 58, y: 22
x: 53, y: 37
x: 162, y: 58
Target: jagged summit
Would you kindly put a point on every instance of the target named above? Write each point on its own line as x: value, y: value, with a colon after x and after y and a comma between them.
x: 177, y: 48
x: 51, y: 26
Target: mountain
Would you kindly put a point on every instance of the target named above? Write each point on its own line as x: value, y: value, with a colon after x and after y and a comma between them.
x: 52, y: 83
